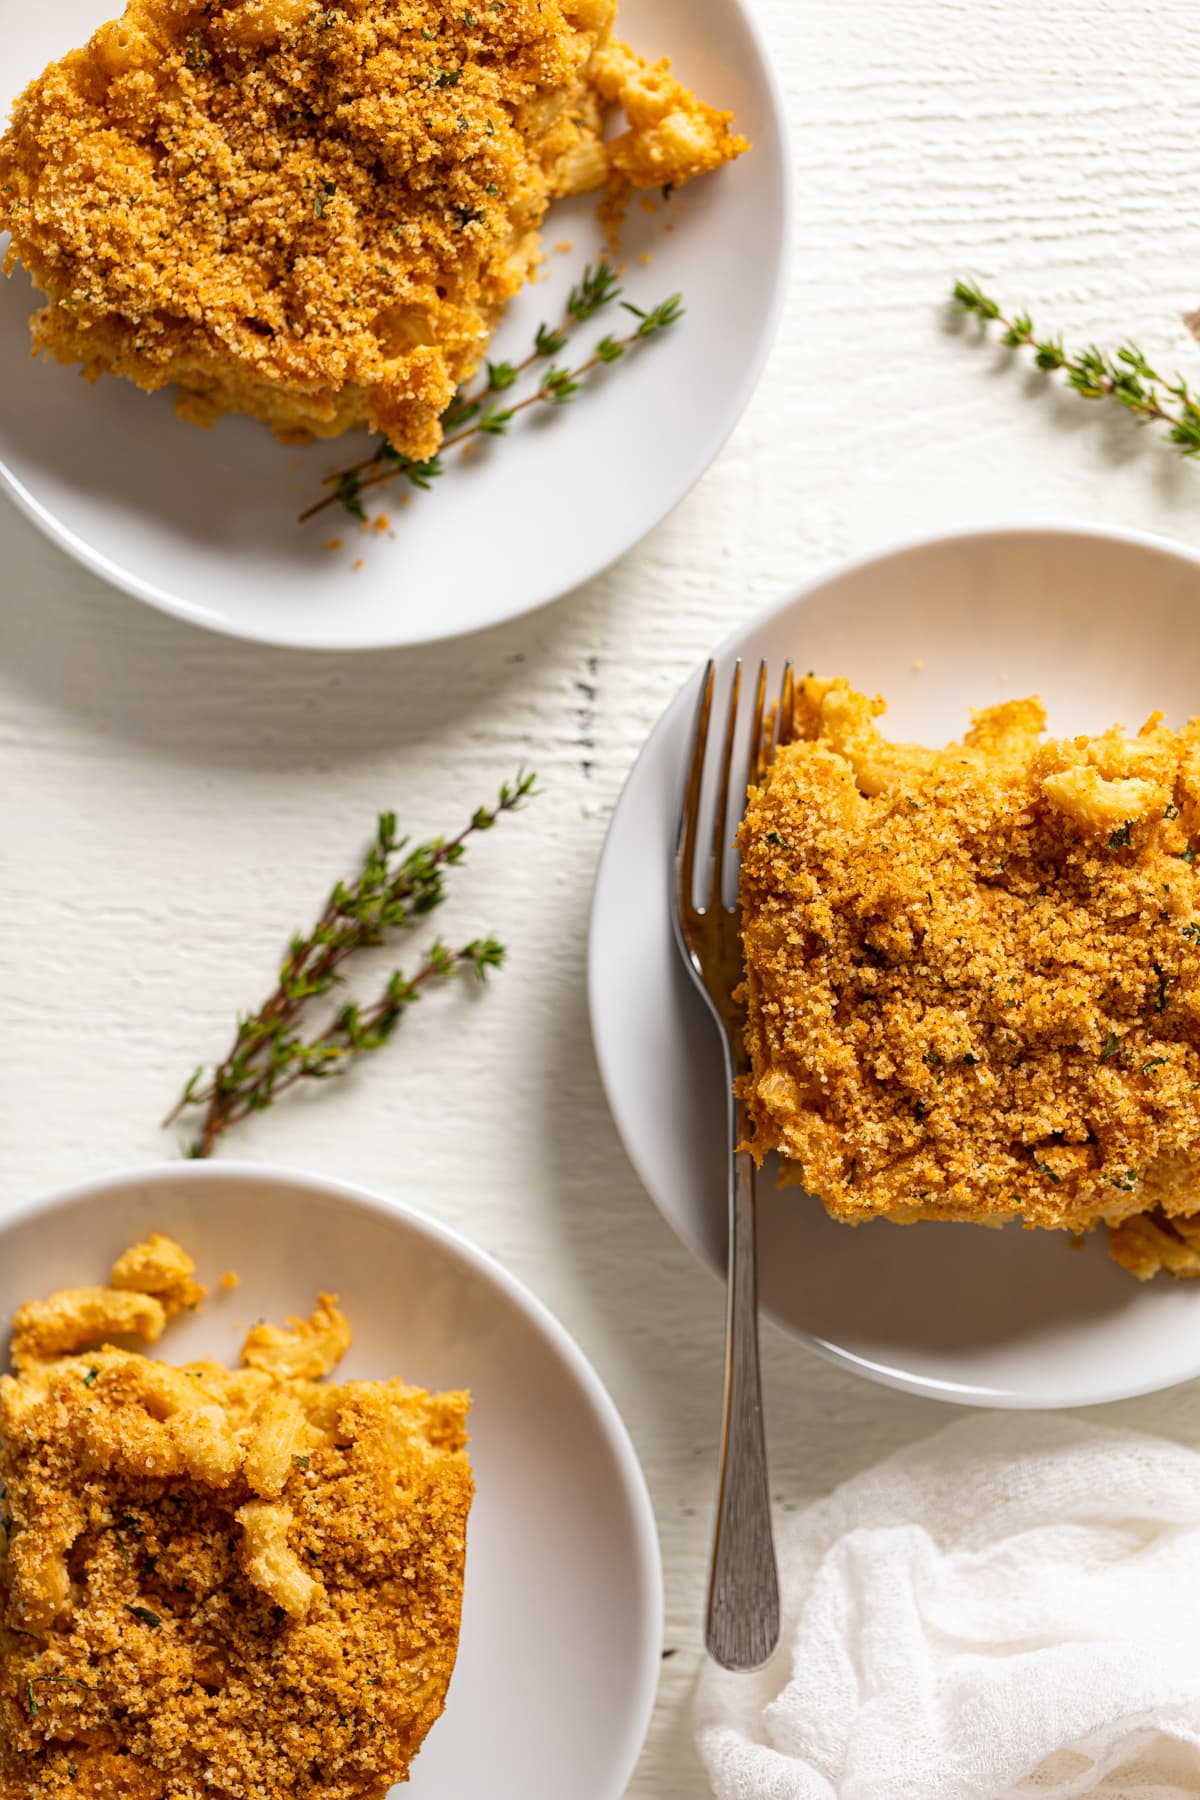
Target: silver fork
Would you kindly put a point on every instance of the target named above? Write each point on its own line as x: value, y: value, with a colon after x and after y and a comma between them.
x: 742, y: 1627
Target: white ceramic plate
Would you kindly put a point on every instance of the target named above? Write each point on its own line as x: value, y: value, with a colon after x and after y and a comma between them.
x: 1102, y: 625
x: 562, y: 1618
x: 203, y: 523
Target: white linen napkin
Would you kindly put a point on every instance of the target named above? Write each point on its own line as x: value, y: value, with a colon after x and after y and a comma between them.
x: 1010, y: 1608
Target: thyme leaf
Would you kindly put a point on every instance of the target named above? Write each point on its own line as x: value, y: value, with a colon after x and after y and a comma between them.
x: 1160, y: 1000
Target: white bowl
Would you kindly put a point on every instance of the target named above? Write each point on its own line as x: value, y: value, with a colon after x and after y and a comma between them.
x: 1103, y: 625
x: 562, y: 1618
x: 203, y: 523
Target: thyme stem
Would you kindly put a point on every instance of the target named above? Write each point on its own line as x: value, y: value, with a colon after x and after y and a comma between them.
x: 1126, y: 378
x: 468, y: 416
x: 269, y: 1053
x: 341, y: 1040
x: 41, y: 1680
x: 545, y: 395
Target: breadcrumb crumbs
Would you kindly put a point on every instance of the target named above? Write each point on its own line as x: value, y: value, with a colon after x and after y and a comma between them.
x: 973, y: 974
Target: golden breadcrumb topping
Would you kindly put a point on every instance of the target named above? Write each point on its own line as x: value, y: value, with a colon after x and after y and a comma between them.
x: 237, y: 1584
x: 973, y: 973
x: 314, y: 213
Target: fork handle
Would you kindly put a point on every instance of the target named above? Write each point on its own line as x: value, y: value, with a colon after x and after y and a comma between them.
x: 743, y: 1595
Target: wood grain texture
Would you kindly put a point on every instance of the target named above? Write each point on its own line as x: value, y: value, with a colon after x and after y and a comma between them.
x: 173, y: 803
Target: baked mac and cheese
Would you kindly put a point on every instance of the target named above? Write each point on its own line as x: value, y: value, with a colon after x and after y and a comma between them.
x: 242, y: 1584
x: 973, y: 974
x: 313, y: 211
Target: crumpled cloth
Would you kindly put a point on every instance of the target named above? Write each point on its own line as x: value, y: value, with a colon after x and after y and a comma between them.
x: 1010, y: 1608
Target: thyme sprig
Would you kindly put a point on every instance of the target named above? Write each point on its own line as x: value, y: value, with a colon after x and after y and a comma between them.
x: 1126, y: 378
x: 595, y: 289
x: 470, y: 414
x: 273, y: 1048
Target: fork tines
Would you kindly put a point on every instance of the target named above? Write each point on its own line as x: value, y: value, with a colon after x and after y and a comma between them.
x: 767, y: 732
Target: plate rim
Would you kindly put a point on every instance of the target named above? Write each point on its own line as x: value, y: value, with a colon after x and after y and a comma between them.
x: 646, y: 1546
x: 884, y: 1374
x: 126, y: 581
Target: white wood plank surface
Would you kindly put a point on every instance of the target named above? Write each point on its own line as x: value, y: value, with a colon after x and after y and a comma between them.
x: 172, y: 803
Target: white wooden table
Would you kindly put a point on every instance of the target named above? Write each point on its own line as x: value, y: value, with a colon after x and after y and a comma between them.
x: 173, y: 803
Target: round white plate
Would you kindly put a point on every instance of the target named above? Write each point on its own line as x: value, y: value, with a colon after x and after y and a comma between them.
x: 562, y: 1617
x: 1101, y: 624
x: 203, y: 523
